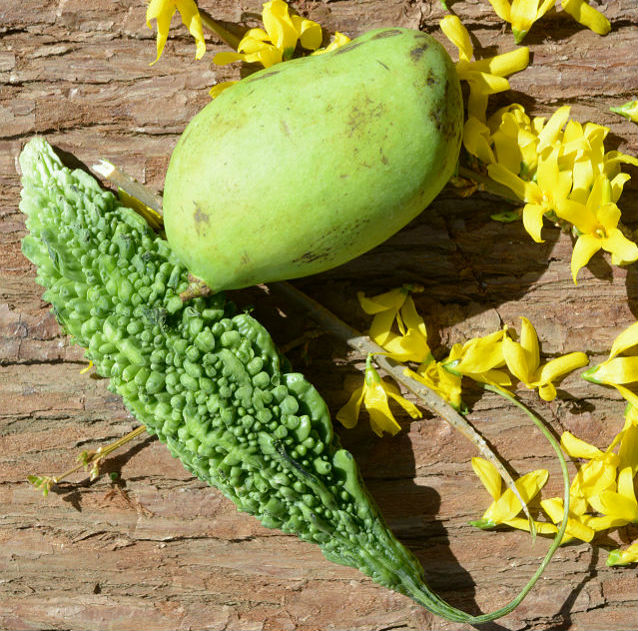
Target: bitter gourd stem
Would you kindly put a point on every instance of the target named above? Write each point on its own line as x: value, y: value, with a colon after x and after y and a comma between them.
x: 362, y: 343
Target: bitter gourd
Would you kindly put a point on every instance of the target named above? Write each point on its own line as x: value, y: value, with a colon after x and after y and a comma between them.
x: 204, y: 378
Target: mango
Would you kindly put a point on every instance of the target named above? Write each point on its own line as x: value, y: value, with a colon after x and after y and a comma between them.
x: 305, y: 165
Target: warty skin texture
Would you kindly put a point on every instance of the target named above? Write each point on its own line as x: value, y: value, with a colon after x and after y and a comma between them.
x: 307, y: 164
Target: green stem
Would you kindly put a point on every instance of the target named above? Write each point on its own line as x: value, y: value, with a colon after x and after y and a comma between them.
x: 213, y: 25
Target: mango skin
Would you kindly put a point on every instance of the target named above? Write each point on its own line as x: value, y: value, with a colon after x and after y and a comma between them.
x: 305, y: 165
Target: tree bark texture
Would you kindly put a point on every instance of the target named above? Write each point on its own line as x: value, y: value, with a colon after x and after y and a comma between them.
x: 157, y: 549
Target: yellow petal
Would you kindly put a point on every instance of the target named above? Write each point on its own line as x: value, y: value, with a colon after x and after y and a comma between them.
x: 484, y: 82
x: 507, y: 506
x: 162, y: 11
x: 586, y: 15
x: 616, y: 370
x: 193, y: 21
x: 517, y: 361
x: 575, y: 527
x: 509, y: 179
x: 623, y: 250
x: 279, y: 26
x: 551, y: 131
x: 348, y: 415
x: 376, y: 403
x: 506, y: 147
x: 476, y: 137
x: 533, y: 221
x: 458, y: 35
x: 586, y: 246
x: 392, y: 299
x: 577, y: 214
x: 542, y: 527
x: 223, y: 58
x: 481, y: 354
x: 338, y: 40
x: 310, y: 34
x: 628, y: 451
x: 626, y: 487
x: 529, y: 341
x: 488, y: 475
x: 596, y: 476
x: 476, y: 103
x: 617, y: 185
x: 408, y: 406
x: 412, y: 347
x: 560, y: 366
x: 523, y: 15
x: 502, y: 9
x: 577, y: 448
x: 621, y: 509
x: 380, y: 331
x: 411, y: 319
x: 504, y: 64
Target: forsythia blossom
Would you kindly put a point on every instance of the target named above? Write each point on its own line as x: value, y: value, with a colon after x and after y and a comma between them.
x: 560, y: 170
x: 619, y: 370
x: 277, y: 41
x: 485, y: 76
x: 396, y: 307
x: 521, y: 14
x: 373, y: 394
x: 523, y: 361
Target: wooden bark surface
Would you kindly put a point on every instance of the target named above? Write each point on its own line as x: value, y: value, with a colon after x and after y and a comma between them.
x: 160, y: 550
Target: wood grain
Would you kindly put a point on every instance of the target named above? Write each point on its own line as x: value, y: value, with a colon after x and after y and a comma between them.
x: 158, y: 549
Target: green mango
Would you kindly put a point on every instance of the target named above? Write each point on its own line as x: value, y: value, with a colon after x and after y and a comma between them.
x: 305, y: 165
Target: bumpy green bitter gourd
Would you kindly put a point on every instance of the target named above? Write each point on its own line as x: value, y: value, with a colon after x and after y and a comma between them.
x: 204, y: 378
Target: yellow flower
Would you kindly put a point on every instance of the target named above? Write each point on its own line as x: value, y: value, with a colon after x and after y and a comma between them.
x: 577, y: 524
x: 595, y: 476
x: 544, y: 195
x: 624, y: 556
x: 523, y: 361
x: 628, y: 110
x: 521, y: 14
x: 486, y: 76
x: 506, y: 506
x: 163, y: 10
x: 617, y: 371
x: 397, y: 306
x: 621, y: 507
x: 436, y: 377
x: 278, y: 41
x: 597, y: 224
x: 515, y: 141
x: 374, y: 396
x: 479, y: 359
